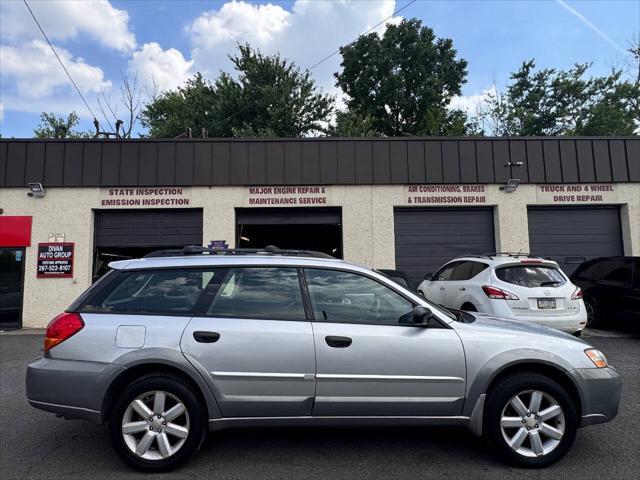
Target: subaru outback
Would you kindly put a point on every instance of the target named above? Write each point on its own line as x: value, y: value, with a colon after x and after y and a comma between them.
x: 165, y: 348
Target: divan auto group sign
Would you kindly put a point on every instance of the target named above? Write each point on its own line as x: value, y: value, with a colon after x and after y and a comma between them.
x: 55, y: 260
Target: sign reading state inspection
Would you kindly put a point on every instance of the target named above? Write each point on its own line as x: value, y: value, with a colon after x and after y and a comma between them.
x: 55, y: 260
x: 145, y: 197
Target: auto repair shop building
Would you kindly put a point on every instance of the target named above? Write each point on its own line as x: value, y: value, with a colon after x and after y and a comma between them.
x: 408, y: 203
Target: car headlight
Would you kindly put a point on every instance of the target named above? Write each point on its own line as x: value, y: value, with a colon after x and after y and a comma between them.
x: 597, y: 357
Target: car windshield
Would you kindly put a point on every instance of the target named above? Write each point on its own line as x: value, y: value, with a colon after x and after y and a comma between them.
x: 531, y: 276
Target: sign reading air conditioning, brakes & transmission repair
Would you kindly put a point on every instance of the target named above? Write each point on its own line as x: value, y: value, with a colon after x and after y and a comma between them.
x: 55, y: 260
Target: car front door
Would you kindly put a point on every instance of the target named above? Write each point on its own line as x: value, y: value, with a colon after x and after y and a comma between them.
x: 439, y: 283
x: 369, y: 361
x: 255, y: 343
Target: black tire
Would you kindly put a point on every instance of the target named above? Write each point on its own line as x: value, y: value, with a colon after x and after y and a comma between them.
x: 593, y: 313
x: 497, y: 400
x: 197, y: 421
x: 469, y: 307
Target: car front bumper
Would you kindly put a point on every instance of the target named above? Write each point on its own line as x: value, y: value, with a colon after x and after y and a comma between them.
x: 70, y: 388
x: 600, y: 391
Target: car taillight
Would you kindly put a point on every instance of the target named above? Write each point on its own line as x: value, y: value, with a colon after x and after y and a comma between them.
x: 577, y: 294
x: 61, y: 328
x: 494, y: 292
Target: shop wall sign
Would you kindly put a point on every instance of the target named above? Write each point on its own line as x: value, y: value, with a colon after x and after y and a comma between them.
x: 577, y: 193
x: 287, y: 196
x: 145, y: 197
x: 55, y: 260
x: 427, y: 195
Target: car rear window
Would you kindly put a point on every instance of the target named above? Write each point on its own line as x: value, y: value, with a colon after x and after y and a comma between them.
x: 154, y: 292
x: 531, y: 276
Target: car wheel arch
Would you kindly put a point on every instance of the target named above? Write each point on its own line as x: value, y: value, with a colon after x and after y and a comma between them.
x: 497, y: 369
x: 160, y: 366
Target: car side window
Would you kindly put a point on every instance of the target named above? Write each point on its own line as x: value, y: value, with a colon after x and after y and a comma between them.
x: 445, y: 272
x: 159, y: 292
x: 477, y: 268
x: 618, y: 271
x: 462, y: 271
x: 338, y: 296
x: 259, y: 293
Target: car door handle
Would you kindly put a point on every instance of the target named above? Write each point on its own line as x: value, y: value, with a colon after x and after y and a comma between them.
x: 206, y: 337
x: 338, y: 342
x: 462, y: 289
x: 441, y: 288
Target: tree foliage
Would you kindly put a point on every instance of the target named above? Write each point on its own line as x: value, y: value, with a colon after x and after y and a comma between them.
x: 404, y: 81
x: 564, y: 102
x: 269, y: 97
x: 50, y: 122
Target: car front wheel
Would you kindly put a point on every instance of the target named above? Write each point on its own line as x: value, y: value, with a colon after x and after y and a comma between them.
x: 156, y: 424
x: 531, y: 420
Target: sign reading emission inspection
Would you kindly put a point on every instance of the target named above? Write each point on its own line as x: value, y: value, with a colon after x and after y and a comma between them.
x: 55, y: 260
x: 286, y: 196
x: 424, y: 195
x: 145, y: 197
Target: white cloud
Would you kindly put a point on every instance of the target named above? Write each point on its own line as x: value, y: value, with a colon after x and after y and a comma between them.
x: 472, y: 104
x: 33, y: 80
x: 165, y: 69
x: 63, y: 20
x: 1, y: 111
x: 37, y: 73
x: 305, y: 35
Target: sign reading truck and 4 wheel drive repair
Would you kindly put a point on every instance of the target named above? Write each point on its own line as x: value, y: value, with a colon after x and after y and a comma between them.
x: 55, y: 260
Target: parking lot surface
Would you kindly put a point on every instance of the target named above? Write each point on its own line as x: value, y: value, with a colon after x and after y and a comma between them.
x: 36, y: 444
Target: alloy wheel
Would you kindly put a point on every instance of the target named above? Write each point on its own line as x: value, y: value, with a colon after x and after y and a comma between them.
x: 532, y: 423
x: 155, y: 425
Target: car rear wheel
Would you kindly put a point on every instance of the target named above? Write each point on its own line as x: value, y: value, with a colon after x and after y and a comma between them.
x: 156, y: 424
x: 593, y: 317
x: 531, y: 420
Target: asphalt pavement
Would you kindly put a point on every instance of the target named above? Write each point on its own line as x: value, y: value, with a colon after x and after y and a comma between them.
x: 36, y: 444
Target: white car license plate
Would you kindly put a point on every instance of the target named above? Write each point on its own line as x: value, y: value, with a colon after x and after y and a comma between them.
x: 546, y: 303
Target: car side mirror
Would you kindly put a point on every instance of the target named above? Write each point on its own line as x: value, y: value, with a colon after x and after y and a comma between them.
x: 421, y: 316
x: 428, y: 276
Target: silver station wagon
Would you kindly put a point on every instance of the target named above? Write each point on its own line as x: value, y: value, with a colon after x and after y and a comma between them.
x: 164, y: 348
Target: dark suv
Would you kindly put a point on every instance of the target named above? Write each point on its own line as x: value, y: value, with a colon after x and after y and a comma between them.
x: 611, y: 287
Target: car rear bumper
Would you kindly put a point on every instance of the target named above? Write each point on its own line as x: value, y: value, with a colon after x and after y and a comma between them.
x: 565, y: 323
x: 600, y: 391
x: 70, y: 388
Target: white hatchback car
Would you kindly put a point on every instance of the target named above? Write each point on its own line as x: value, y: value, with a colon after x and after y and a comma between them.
x: 515, y: 286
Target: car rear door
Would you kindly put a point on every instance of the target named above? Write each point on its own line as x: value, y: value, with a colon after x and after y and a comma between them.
x: 252, y: 338
x: 369, y: 362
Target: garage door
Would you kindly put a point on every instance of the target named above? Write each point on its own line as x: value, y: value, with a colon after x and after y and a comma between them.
x: 571, y: 235
x: 148, y: 228
x: 426, y: 238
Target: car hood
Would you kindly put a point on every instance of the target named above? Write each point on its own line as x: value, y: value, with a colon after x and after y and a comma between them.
x: 489, y: 322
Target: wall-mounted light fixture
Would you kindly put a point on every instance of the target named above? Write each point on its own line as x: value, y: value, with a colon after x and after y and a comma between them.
x: 511, y: 185
x: 36, y: 190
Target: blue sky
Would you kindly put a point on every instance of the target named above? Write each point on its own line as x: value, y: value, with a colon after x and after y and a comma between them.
x: 164, y: 42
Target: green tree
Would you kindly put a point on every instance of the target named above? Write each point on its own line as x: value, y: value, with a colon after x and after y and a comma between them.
x: 269, y: 96
x: 49, y: 123
x: 564, y: 102
x: 189, y: 106
x: 404, y: 81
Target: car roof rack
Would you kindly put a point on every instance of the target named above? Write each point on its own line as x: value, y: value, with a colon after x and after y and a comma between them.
x: 268, y: 250
x: 492, y: 255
